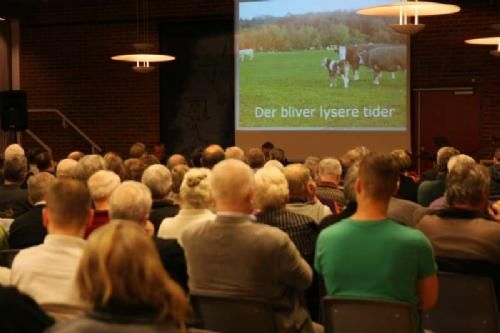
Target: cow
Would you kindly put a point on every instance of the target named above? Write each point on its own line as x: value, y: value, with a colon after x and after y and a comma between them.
x: 336, y: 68
x: 246, y: 53
x: 390, y: 58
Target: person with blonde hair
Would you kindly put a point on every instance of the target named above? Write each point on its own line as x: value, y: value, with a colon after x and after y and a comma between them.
x: 121, y: 280
x: 101, y: 185
x: 87, y: 166
x: 195, y: 199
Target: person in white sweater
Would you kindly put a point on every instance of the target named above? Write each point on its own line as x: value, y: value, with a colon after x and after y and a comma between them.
x: 195, y: 199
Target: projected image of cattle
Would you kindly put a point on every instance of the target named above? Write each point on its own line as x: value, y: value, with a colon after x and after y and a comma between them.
x: 322, y: 61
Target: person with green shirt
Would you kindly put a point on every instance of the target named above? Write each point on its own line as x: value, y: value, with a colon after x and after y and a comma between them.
x: 372, y: 257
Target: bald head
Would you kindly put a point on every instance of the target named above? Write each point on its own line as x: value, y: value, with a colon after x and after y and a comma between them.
x: 175, y: 160
x: 235, y: 152
x: 232, y: 183
x: 212, y: 155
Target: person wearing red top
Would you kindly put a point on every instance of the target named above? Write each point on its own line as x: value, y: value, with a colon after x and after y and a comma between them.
x: 101, y: 185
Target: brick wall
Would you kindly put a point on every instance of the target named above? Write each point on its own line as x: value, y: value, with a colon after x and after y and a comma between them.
x: 440, y: 58
x: 65, y: 64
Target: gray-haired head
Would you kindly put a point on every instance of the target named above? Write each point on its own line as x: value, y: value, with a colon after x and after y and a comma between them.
x: 467, y: 184
x: 132, y: 201
x: 88, y: 165
x: 158, y: 179
x: 102, y: 184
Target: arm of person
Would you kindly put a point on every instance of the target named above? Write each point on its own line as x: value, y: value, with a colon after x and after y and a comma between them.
x: 427, y: 289
x: 294, y: 271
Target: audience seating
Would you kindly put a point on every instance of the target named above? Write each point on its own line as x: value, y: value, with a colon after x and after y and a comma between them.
x: 466, y: 304
x: 7, y: 257
x: 234, y: 314
x: 348, y: 315
x: 62, y: 311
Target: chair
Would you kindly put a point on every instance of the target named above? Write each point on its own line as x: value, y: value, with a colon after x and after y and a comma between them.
x: 7, y: 257
x: 60, y: 311
x: 348, y: 315
x: 466, y: 304
x: 234, y: 314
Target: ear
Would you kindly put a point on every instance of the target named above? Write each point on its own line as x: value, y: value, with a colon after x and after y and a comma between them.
x: 45, y: 217
x: 396, y: 190
x: 358, y: 186
x: 250, y: 196
x: 90, y: 217
x: 150, y: 228
x: 311, y: 186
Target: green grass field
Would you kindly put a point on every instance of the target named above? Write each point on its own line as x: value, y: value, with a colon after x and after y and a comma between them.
x: 298, y: 79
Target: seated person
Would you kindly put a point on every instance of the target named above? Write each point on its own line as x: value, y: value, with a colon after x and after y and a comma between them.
x: 132, y: 201
x: 195, y: 199
x: 101, y: 185
x: 121, y: 278
x: 328, y: 190
x: 28, y: 229
x: 14, y: 199
x: 234, y: 256
x: 495, y: 176
x: 462, y: 231
x: 408, y: 188
x: 302, y: 193
x: 384, y: 260
x: 430, y: 190
x: 46, y: 272
x: 271, y: 196
x: 159, y: 181
x: 20, y: 313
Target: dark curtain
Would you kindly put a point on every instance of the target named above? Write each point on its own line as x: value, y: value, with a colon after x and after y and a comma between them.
x: 197, y: 89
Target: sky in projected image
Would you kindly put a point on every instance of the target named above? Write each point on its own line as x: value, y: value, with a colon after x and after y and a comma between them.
x: 279, y: 8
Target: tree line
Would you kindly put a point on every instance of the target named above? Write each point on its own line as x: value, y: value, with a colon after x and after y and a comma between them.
x: 300, y: 32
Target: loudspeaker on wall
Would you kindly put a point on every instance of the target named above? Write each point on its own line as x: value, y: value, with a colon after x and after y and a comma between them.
x: 13, y: 110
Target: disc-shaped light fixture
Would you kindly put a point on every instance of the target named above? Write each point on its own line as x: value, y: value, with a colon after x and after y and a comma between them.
x: 408, y: 9
x: 487, y: 41
x: 142, y: 57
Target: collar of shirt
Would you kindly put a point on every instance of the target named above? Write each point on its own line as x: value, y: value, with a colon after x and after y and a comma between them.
x: 40, y: 203
x: 194, y: 211
x: 64, y: 241
x: 236, y: 215
x: 327, y: 184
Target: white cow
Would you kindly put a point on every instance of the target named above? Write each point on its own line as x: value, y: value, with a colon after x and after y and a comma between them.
x: 246, y: 53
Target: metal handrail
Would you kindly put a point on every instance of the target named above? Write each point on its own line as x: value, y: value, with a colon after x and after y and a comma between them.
x: 38, y: 140
x: 66, y: 120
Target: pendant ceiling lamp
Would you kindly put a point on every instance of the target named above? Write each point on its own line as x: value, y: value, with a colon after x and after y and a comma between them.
x: 405, y: 10
x: 142, y: 57
x: 487, y: 41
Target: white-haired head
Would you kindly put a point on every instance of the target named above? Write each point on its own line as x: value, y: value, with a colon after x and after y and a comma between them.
x: 236, y: 153
x: 158, y: 179
x: 300, y: 182
x: 13, y: 150
x: 271, y: 189
x: 274, y: 164
x: 459, y: 160
x: 131, y: 201
x: 38, y: 186
x: 232, y: 183
x: 195, y: 189
x: 330, y: 169
x: 102, y: 184
x: 66, y: 168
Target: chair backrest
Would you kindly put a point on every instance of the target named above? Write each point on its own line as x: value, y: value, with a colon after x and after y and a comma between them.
x: 61, y: 311
x: 349, y: 315
x: 466, y: 303
x: 234, y: 314
x: 7, y: 257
